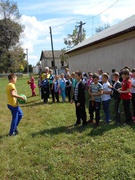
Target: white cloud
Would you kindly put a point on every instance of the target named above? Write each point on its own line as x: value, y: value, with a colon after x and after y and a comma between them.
x: 36, y: 36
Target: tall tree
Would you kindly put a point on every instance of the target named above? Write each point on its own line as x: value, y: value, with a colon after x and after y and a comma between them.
x: 73, y: 39
x: 10, y: 31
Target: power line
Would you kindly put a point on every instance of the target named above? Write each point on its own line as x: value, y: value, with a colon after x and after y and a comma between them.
x: 86, y: 18
x: 75, y: 18
x: 102, y: 11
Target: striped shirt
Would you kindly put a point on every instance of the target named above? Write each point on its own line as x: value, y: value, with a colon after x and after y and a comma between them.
x: 76, y: 91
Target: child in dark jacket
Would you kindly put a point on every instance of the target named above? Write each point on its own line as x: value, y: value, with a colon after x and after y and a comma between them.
x: 116, y: 96
x: 45, y: 89
x: 79, y: 96
x: 56, y: 87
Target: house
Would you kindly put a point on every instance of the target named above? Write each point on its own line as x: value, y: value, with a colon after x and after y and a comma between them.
x: 46, y: 60
x: 112, y: 48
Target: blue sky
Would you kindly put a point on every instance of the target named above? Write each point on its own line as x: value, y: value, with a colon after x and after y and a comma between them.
x: 39, y: 15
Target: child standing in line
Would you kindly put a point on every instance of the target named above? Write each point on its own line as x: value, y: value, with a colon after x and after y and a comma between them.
x: 62, y: 84
x: 12, y: 104
x: 56, y: 87
x: 80, y: 99
x: 100, y: 72
x: 95, y: 91
x: 126, y: 96
x: 39, y: 83
x: 45, y: 89
x: 116, y: 96
x: 90, y: 79
x: 32, y: 85
x: 51, y: 78
x: 73, y: 80
x: 68, y: 87
x: 106, y: 98
x: 133, y: 92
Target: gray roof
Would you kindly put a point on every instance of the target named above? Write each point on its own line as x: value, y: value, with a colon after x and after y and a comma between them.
x: 122, y: 27
x: 48, y: 54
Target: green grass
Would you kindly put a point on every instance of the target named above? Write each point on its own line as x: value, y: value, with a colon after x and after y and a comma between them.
x: 49, y: 147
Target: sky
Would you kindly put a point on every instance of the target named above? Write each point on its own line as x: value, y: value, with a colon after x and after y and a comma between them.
x: 62, y: 16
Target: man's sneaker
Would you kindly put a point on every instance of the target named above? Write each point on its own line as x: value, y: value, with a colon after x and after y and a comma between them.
x: 16, y: 132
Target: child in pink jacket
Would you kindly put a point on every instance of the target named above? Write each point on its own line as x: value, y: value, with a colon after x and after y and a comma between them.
x: 32, y: 85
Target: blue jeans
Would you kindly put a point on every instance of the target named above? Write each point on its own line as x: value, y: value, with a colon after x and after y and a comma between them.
x: 16, y: 117
x: 106, y: 110
x: 63, y: 95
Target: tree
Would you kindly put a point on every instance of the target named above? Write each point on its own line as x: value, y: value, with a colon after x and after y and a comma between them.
x: 12, y: 61
x: 21, y: 68
x: 10, y: 31
x: 73, y: 39
x: 101, y: 28
x: 63, y: 56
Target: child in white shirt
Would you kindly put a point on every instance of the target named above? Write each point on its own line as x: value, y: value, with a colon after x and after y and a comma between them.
x: 106, y: 98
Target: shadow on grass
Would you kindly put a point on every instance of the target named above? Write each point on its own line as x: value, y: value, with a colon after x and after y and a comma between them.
x: 107, y: 127
x: 59, y: 130
x: 32, y: 103
x: 100, y: 130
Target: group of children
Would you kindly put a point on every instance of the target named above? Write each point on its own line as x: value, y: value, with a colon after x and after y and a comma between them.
x: 74, y: 86
x: 56, y: 85
x: 101, y: 91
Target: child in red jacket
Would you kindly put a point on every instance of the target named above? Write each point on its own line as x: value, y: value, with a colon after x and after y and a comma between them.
x: 125, y: 94
x: 32, y: 85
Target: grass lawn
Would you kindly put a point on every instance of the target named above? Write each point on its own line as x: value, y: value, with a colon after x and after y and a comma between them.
x: 49, y: 147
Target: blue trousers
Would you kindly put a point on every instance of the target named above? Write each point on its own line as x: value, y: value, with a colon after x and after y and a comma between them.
x: 106, y: 110
x: 16, y: 117
x: 63, y: 95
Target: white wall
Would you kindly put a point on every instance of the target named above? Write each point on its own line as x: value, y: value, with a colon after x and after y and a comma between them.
x: 114, y: 56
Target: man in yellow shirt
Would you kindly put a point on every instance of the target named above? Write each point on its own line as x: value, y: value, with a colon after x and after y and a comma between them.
x: 46, y: 72
x: 12, y: 104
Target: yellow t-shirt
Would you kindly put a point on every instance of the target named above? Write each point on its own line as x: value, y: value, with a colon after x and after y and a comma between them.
x: 48, y: 76
x: 11, y: 100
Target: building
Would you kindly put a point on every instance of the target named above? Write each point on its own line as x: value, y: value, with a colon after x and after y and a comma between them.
x: 112, y: 48
x: 46, y: 60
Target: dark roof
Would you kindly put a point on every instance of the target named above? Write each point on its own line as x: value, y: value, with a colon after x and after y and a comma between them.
x: 122, y: 27
x: 48, y: 54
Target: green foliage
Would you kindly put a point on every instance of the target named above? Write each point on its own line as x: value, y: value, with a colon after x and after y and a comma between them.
x: 73, y: 39
x: 21, y: 68
x: 10, y: 31
x: 49, y: 147
x: 9, y: 10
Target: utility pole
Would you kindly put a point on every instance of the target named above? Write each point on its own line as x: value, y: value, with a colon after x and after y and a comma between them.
x: 27, y: 62
x: 79, y: 38
x: 52, y: 49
